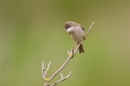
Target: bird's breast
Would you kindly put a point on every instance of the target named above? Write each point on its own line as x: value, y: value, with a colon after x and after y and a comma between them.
x: 77, y: 34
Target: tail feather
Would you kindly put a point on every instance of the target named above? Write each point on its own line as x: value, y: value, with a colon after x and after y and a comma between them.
x: 81, y: 49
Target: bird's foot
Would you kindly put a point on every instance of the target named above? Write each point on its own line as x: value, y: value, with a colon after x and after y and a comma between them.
x: 83, y: 38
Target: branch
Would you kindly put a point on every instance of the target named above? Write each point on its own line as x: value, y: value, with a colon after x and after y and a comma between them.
x: 43, y: 68
x: 62, y: 78
x: 84, y: 37
x: 71, y: 55
x: 89, y: 29
x: 64, y: 64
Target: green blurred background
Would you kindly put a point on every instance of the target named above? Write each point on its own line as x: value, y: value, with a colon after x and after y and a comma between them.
x: 32, y: 31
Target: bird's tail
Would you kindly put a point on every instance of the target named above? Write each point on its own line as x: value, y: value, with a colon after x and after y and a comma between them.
x: 81, y: 49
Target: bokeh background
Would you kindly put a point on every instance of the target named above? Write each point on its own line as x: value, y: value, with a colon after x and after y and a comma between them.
x: 32, y: 31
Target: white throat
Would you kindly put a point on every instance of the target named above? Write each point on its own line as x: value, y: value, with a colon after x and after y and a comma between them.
x: 70, y: 29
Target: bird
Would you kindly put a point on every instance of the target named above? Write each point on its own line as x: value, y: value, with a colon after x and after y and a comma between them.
x: 76, y: 32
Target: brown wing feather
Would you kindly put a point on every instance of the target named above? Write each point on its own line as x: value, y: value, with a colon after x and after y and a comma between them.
x: 81, y: 27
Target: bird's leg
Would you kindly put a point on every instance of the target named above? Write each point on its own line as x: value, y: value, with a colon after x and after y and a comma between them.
x: 75, y: 45
x: 83, y: 37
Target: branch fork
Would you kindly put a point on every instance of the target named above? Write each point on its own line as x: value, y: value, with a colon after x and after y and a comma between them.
x: 47, y: 80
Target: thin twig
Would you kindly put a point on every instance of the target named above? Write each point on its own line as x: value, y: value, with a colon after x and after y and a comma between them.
x: 64, y: 64
x: 43, y: 68
x: 61, y: 76
x: 47, y: 69
x: 89, y: 29
x: 62, y: 79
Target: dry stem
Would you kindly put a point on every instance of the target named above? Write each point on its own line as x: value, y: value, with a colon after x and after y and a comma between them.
x: 71, y: 55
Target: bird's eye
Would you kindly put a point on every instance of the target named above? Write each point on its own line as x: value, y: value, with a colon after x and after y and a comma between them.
x: 68, y: 26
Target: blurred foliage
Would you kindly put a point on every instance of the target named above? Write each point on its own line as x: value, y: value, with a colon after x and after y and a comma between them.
x: 32, y: 31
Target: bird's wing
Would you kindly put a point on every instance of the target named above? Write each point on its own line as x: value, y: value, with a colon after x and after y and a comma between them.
x: 81, y: 27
